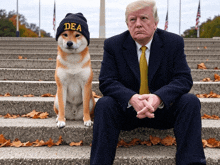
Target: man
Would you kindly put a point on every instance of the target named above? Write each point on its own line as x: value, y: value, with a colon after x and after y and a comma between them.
x: 145, y: 80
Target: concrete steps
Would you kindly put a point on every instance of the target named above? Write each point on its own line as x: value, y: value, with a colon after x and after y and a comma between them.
x: 22, y: 74
x: 38, y: 88
x: 156, y: 155
x: 23, y: 105
x: 22, y: 128
x: 21, y: 77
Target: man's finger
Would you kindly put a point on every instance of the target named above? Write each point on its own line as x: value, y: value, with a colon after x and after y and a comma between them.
x: 146, y: 114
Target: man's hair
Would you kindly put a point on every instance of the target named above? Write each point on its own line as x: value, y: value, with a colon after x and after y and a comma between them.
x: 140, y: 4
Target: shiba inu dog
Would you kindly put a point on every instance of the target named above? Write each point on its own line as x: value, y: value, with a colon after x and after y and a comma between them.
x: 73, y: 75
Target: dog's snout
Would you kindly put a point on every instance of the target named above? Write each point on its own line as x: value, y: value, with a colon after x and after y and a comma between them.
x: 69, y: 43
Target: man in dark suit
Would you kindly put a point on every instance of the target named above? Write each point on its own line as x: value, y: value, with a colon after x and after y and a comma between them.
x: 157, y: 98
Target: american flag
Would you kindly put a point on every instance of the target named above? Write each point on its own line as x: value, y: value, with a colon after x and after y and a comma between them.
x: 54, y: 17
x: 166, y: 23
x: 198, y: 16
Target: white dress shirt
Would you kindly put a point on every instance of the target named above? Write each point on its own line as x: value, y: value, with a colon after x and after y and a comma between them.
x: 147, y: 56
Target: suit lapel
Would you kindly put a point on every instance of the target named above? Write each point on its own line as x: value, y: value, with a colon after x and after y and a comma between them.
x: 156, y: 55
x: 130, y: 56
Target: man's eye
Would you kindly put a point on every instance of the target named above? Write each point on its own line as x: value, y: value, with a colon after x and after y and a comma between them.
x: 65, y: 35
x: 132, y: 19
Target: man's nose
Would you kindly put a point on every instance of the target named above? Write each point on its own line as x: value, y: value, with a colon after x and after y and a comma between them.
x: 138, y: 23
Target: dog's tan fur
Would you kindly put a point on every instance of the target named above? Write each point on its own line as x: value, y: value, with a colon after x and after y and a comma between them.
x: 73, y: 75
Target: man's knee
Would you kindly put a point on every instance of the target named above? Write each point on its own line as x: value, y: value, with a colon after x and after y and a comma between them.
x: 105, y: 103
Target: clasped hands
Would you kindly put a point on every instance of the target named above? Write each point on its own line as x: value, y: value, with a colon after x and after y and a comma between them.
x: 145, y: 105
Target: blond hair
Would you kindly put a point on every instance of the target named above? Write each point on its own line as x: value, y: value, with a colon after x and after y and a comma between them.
x: 140, y: 4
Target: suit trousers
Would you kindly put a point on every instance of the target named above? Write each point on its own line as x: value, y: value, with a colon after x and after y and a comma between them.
x: 184, y: 116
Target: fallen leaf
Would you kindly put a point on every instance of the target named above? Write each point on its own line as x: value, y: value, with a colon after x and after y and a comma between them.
x: 217, y: 77
x: 47, y: 95
x: 216, y: 68
x: 11, y: 116
x: 205, y: 47
x: 148, y: 143
x: 2, y: 139
x: 206, y: 79
x: 59, y: 141
x: 201, y: 66
x: 43, y: 115
x: 213, y: 143
x: 205, y: 143
x: 214, y: 117
x: 122, y: 143
x: 76, y: 144
x: 210, y: 95
x: 168, y: 141
x: 95, y: 95
x: 38, y: 143
x: 16, y: 143
x: 50, y: 59
x: 7, y: 94
x: 198, y: 48
x: 27, y: 144
x: 28, y: 95
x: 33, y: 114
x: 20, y: 57
x: 50, y: 143
x: 134, y: 142
x: 155, y: 140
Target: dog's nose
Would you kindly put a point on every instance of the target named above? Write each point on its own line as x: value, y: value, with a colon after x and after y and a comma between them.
x: 69, y: 43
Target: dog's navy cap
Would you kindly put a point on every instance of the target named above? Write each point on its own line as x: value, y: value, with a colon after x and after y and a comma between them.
x: 76, y: 22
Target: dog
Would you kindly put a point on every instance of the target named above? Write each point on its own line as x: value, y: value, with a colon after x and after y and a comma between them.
x: 74, y: 99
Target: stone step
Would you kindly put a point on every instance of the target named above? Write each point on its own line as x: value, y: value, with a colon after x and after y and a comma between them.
x: 37, y: 63
x: 3, y: 56
x: 96, y: 64
x: 21, y: 74
x: 40, y: 50
x: 210, y: 64
x: 26, y: 129
x: 38, y: 88
x: 201, y: 51
x: 64, y: 154
x: 24, y: 105
x: 34, y: 74
x: 203, y: 57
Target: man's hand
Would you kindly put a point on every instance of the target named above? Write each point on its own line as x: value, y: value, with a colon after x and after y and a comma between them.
x: 142, y: 105
x: 145, y: 104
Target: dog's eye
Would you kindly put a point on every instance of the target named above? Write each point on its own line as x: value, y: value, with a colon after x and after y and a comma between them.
x: 65, y: 35
x: 77, y: 35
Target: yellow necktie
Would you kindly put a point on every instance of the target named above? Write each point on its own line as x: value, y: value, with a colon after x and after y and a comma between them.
x: 143, y: 72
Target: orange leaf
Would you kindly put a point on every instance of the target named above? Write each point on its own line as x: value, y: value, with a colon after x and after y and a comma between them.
x: 201, y: 66
x: 47, y: 95
x: 50, y: 143
x: 7, y: 94
x: 212, y: 142
x: 27, y: 144
x: 168, y: 141
x: 2, y: 139
x: 59, y: 141
x: 28, y: 95
x: 155, y: 140
x: 205, y: 47
x: 20, y: 57
x: 39, y: 143
x: 206, y: 79
x: 76, y: 144
x: 50, y: 59
x: 217, y: 77
x: 134, y: 142
x: 16, y: 143
x: 122, y: 143
x: 43, y: 115
x: 32, y: 114
x: 205, y: 143
x: 148, y: 143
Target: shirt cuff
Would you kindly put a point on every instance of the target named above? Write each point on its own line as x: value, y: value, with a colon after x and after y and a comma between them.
x: 161, y: 106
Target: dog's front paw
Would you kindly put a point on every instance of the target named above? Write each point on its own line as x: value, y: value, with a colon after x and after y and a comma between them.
x: 88, y: 123
x: 61, y: 124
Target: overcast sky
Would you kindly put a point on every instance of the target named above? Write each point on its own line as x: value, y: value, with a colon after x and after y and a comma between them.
x: 115, y: 9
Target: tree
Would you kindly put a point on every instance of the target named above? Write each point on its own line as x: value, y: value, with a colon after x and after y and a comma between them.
x: 208, y: 29
x: 7, y: 29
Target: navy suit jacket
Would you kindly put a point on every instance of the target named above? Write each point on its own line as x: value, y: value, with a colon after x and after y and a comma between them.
x: 169, y: 75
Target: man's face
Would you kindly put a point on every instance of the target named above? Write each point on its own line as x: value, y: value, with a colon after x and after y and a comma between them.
x: 142, y: 25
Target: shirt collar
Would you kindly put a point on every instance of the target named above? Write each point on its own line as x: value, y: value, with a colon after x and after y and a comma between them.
x: 148, y: 45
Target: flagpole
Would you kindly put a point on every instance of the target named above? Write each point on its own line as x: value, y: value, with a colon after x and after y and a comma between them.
x: 39, y: 20
x: 17, y: 29
x: 180, y: 19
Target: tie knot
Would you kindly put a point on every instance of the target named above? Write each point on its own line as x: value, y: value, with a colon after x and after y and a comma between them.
x: 143, y: 48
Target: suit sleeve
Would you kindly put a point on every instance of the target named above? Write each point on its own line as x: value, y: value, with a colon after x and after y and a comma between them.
x: 181, y: 81
x: 109, y: 79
